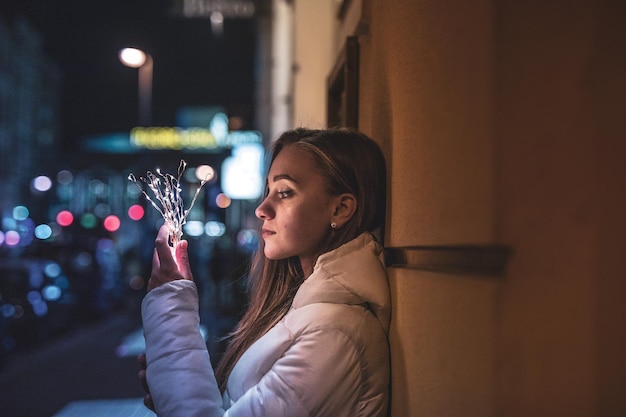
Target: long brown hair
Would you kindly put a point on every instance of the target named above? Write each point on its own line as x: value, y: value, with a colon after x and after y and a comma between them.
x: 349, y: 162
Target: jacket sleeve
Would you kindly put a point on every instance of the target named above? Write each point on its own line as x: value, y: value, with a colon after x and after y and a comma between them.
x: 179, y: 371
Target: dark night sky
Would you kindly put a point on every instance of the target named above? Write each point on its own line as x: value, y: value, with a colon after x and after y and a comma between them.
x: 192, y: 67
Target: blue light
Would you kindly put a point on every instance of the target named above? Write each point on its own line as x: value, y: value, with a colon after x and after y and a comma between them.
x: 51, y: 293
x: 20, y: 213
x: 43, y: 232
x: 52, y: 270
x: 194, y: 228
x: 8, y: 310
x: 40, y: 308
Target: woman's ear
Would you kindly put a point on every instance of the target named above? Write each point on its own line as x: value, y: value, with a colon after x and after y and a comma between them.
x: 344, y: 209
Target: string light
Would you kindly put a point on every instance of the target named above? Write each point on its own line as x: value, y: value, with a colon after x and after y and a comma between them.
x: 167, y: 192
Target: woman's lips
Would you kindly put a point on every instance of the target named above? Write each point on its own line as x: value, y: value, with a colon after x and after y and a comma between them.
x: 266, y: 233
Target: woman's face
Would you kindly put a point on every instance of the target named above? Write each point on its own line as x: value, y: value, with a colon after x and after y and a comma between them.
x: 297, y: 211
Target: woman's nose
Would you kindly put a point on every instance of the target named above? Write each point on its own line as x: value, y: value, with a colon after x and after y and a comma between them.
x: 262, y: 211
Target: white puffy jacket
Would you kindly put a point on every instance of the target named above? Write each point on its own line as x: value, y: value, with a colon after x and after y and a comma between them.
x: 328, y: 356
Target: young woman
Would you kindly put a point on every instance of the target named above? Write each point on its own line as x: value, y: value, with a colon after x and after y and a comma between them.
x: 313, y: 340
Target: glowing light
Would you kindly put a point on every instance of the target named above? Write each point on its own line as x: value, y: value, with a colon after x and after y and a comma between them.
x: 205, y: 173
x: 98, y: 187
x: 242, y: 173
x: 194, y: 228
x: 11, y: 238
x: 83, y: 260
x: 88, y: 221
x: 1, y: 237
x: 167, y: 191
x: 33, y: 297
x: 52, y: 270
x: 40, y: 308
x: 51, y: 292
x: 217, y: 23
x: 136, y: 212
x: 42, y: 183
x: 62, y: 282
x: 105, y: 245
x: 214, y: 229
x: 20, y: 213
x: 112, y: 223
x: 65, y: 218
x: 133, y: 57
x: 8, y: 310
x: 222, y: 200
x: 65, y: 177
x: 136, y: 282
x: 43, y: 232
x: 193, y: 138
x: 247, y: 237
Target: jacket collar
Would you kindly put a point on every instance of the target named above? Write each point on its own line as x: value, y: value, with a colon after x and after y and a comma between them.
x: 352, y: 274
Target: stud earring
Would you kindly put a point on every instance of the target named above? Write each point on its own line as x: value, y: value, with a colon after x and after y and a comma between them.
x: 333, y: 225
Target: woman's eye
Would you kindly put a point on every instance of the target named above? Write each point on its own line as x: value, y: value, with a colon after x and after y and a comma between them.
x: 284, y: 194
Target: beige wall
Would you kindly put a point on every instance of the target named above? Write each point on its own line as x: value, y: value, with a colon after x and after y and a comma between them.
x: 427, y: 93
x: 561, y: 183
x: 314, y: 53
x: 503, y: 123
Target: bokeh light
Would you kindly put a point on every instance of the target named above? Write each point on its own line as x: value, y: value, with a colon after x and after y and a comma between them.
x: 11, y: 238
x: 194, y: 228
x: 43, y: 232
x: 136, y: 282
x: 222, y: 200
x: 88, y: 220
x: 205, y: 173
x: 136, y: 212
x: 65, y: 218
x: 52, y: 270
x: 20, y: 213
x: 112, y: 223
x: 51, y: 292
x: 65, y: 177
x: 214, y: 229
x: 41, y: 183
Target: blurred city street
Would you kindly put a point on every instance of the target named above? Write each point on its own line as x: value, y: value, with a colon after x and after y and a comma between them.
x: 88, y: 363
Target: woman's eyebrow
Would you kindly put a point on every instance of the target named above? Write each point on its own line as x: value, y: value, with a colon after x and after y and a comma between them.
x: 283, y: 177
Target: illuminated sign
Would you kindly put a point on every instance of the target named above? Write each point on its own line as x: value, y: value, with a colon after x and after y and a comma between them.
x: 194, y: 138
x: 215, y: 136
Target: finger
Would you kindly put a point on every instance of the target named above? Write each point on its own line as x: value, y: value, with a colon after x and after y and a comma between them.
x: 155, y: 260
x: 144, y: 381
x: 141, y: 358
x: 163, y: 249
x: 182, y: 259
x: 147, y: 401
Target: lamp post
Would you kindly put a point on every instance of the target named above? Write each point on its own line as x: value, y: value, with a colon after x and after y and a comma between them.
x: 136, y: 58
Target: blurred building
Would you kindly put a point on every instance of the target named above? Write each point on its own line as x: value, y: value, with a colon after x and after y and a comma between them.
x: 30, y: 86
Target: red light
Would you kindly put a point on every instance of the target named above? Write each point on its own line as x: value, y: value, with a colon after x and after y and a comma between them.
x: 65, y: 218
x: 111, y: 223
x: 135, y: 212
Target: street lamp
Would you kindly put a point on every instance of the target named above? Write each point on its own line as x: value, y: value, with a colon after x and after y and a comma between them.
x: 136, y: 58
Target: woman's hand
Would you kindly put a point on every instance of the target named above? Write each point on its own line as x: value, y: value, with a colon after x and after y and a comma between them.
x: 168, y: 264
x: 147, y: 399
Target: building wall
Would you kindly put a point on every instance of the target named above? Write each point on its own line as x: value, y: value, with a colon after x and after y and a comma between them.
x: 502, y: 125
x: 314, y: 53
x: 561, y: 96
x: 426, y: 92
